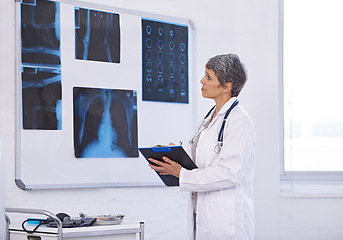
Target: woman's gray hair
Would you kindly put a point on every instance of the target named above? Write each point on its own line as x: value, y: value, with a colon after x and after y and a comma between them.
x: 229, y: 68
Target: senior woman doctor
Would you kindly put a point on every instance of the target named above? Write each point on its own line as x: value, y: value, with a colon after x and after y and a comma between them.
x: 224, y: 153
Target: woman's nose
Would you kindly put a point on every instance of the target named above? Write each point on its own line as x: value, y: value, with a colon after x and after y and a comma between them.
x: 202, y: 80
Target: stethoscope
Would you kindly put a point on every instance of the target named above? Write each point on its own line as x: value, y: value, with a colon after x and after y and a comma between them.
x: 219, y: 145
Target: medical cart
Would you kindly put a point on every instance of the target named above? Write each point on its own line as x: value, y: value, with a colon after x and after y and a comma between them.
x: 105, y: 232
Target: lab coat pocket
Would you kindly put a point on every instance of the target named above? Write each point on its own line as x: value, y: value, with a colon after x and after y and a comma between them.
x: 221, y: 216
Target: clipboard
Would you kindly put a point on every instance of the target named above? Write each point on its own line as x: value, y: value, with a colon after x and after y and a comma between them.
x: 175, y: 153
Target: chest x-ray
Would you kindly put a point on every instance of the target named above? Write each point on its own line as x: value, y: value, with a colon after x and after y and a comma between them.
x: 105, y: 123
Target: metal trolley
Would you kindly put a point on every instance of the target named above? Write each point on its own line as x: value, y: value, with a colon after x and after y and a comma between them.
x: 122, y: 231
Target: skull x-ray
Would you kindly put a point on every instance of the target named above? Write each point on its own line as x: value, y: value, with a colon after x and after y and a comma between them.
x: 97, y: 35
x: 165, y: 61
x: 40, y: 33
x: 41, y: 98
x: 105, y: 123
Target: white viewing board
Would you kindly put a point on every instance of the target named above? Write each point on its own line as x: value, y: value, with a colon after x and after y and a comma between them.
x: 94, y: 83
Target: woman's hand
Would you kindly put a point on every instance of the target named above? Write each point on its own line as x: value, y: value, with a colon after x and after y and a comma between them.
x: 168, y: 167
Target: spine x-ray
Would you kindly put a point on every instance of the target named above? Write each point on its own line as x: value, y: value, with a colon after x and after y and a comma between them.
x: 165, y: 61
x: 105, y: 123
x: 97, y: 35
x: 41, y: 65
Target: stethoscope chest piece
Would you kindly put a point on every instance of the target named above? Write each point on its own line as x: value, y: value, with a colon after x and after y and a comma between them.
x: 218, y: 147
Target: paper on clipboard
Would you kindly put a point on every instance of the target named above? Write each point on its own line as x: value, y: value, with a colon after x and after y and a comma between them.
x: 175, y: 153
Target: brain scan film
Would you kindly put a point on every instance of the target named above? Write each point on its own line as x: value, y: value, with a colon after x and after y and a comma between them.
x: 165, y: 61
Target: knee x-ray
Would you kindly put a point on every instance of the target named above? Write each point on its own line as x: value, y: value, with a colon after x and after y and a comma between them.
x: 97, y: 35
x: 41, y: 98
x: 40, y: 33
x: 165, y: 61
x: 41, y: 63
x: 105, y: 123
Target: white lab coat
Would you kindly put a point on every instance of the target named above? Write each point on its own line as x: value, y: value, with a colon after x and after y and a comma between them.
x: 223, y: 181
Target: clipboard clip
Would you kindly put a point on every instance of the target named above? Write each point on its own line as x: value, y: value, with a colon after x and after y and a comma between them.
x: 161, y: 149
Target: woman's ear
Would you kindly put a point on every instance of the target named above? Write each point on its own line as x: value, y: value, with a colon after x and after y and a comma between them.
x: 228, y: 87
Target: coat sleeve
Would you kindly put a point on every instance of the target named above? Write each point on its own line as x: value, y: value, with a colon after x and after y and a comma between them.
x: 238, y: 143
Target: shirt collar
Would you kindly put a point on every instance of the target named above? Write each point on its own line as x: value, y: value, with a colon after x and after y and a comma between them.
x: 227, y: 105
x: 223, y: 110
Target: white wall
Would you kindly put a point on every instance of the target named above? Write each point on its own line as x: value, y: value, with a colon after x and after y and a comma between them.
x: 2, y: 205
x: 246, y: 27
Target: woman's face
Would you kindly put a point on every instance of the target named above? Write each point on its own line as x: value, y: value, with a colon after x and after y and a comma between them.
x: 211, y: 88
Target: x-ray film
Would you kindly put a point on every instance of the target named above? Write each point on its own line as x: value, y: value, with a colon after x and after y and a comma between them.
x: 105, y: 123
x: 97, y: 35
x: 41, y: 98
x: 165, y: 61
x: 40, y: 33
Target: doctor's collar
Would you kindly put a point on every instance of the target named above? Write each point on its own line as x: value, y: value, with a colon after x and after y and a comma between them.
x: 227, y: 105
